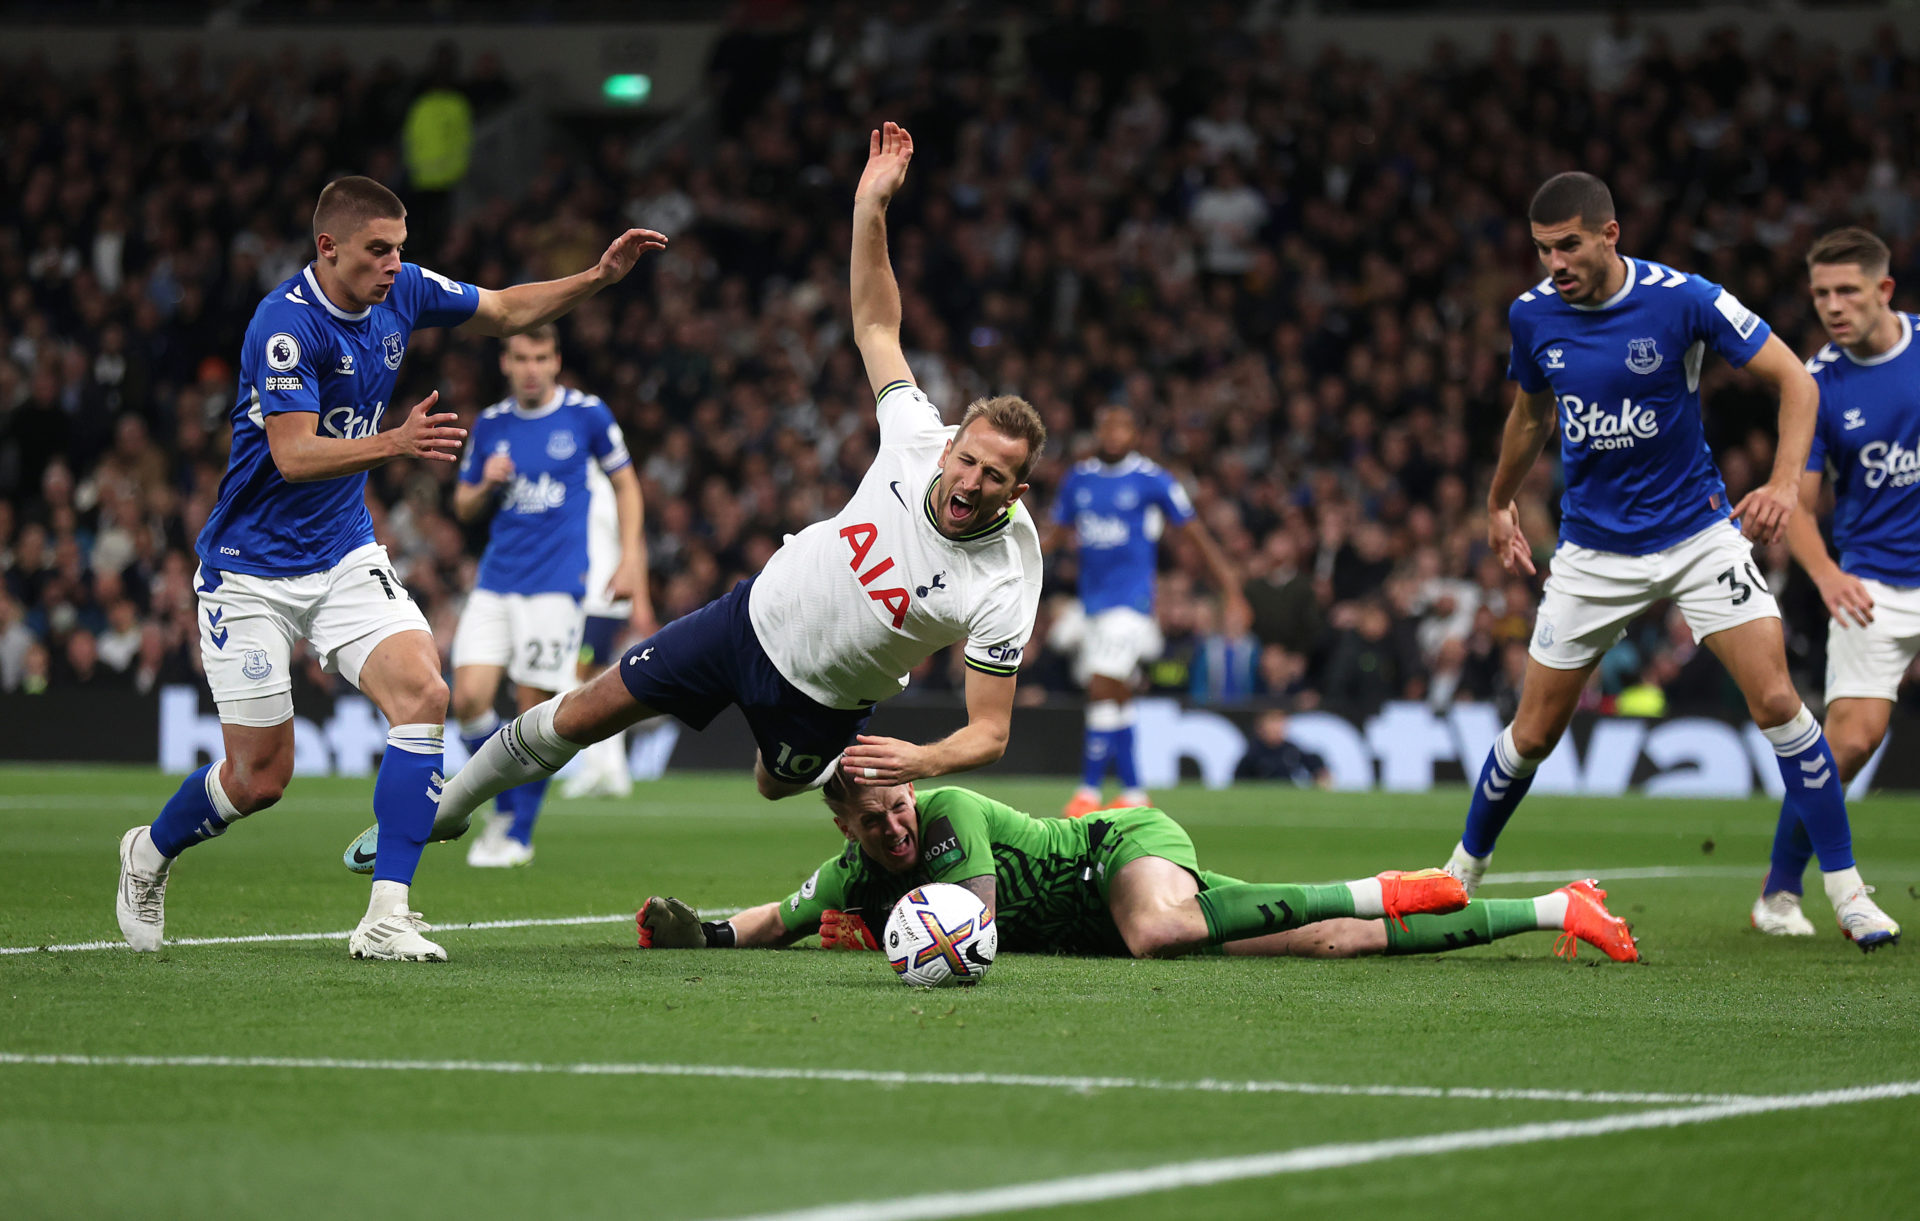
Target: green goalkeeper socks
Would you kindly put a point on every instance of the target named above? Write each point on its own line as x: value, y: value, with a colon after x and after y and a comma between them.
x: 1477, y: 923
x: 1253, y: 909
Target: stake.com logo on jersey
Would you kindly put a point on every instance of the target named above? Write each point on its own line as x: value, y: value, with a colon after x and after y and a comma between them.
x: 1594, y: 426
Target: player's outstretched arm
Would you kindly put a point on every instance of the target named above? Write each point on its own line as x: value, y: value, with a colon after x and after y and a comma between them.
x: 875, y: 293
x: 630, y: 578
x: 1529, y: 426
x: 512, y: 311
x: 982, y: 740
x: 1765, y: 511
x: 302, y: 455
x: 1846, y: 596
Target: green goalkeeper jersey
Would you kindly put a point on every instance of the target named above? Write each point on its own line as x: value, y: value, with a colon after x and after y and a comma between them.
x: 1050, y: 874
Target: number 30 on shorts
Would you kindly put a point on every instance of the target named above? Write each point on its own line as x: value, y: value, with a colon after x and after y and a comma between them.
x: 1742, y: 590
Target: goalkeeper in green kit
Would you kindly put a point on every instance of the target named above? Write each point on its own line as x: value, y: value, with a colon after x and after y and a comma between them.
x: 1122, y: 883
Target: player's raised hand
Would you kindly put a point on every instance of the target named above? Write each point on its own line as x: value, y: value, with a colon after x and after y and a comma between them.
x: 669, y: 924
x: 425, y: 434
x: 1508, y: 541
x: 878, y: 761
x: 1764, y: 512
x: 625, y: 252
x: 888, y: 151
x: 1847, y: 599
x: 846, y: 931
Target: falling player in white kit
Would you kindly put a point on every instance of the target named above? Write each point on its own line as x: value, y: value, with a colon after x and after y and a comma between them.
x: 1868, y: 436
x: 289, y: 554
x: 933, y: 549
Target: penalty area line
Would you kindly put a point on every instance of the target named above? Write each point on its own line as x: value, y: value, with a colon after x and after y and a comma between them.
x: 1173, y: 1176
x: 747, y: 1072
x: 709, y: 913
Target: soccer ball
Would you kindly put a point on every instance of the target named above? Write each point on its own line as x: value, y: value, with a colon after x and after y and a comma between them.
x: 940, y: 936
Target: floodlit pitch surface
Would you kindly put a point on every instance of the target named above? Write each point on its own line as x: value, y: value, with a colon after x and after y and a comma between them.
x: 552, y: 1069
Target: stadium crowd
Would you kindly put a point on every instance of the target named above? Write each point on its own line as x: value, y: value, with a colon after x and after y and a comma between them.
x: 1294, y: 270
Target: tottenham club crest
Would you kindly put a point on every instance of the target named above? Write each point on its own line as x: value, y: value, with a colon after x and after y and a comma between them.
x: 1643, y: 355
x: 254, y: 664
x: 560, y: 445
x: 393, y: 349
x: 283, y: 352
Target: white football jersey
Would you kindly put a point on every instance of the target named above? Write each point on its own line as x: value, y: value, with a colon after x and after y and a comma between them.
x: 603, y: 546
x: 849, y: 605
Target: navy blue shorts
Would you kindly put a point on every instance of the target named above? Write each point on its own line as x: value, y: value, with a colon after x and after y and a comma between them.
x: 597, y: 635
x: 695, y: 666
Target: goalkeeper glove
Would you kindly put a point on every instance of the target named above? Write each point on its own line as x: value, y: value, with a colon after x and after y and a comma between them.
x: 669, y: 924
x: 845, y: 931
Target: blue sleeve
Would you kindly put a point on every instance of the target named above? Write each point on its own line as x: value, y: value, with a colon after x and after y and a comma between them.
x: 1062, y: 511
x: 1521, y: 367
x: 604, y: 439
x: 283, y: 361
x: 431, y: 299
x: 471, y: 461
x: 1173, y: 499
x: 1727, y: 326
x: 1817, y: 455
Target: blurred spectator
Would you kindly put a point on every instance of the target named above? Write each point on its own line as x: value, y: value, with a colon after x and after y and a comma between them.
x: 1226, y: 657
x: 1270, y: 756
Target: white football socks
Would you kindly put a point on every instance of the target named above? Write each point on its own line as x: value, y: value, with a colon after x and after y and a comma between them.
x: 529, y: 749
x: 388, y: 898
x: 1841, y: 884
x: 1550, y: 911
x: 1368, y: 902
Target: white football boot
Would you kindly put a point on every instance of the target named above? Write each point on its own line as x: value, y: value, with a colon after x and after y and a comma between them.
x: 395, y: 937
x: 1779, y: 915
x: 141, y: 902
x: 1468, y: 868
x: 1863, y: 923
x: 493, y: 848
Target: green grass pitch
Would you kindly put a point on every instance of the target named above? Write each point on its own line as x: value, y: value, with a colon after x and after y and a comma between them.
x: 1717, y: 1010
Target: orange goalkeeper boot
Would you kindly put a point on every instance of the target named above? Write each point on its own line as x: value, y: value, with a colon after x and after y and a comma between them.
x: 1419, y: 892
x: 1589, y: 920
x: 1083, y: 804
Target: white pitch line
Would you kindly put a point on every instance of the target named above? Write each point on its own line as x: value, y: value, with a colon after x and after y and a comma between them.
x: 858, y: 1076
x: 710, y: 913
x: 1645, y: 873
x: 1088, y: 1188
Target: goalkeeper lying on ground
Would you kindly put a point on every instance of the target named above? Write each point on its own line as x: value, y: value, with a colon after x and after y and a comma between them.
x: 1118, y: 882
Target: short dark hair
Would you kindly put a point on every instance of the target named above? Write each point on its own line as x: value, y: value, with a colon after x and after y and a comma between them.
x: 1851, y: 245
x: 546, y: 332
x: 348, y: 203
x: 1012, y: 416
x: 1570, y: 196
x: 837, y: 792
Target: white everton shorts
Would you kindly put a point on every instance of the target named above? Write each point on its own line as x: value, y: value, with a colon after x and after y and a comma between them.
x: 248, y: 626
x: 1869, y: 662
x: 1591, y: 596
x: 535, y: 636
x: 1111, y: 644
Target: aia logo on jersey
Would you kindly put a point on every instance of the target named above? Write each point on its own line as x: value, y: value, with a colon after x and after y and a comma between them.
x: 392, y: 349
x: 1643, y: 356
x: 861, y: 538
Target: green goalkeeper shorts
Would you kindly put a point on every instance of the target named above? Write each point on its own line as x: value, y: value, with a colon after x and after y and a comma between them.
x: 1133, y: 833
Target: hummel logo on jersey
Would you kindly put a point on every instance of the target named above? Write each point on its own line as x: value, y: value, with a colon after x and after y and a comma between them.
x: 1555, y: 358
x: 1853, y: 419
x: 1590, y: 424
x: 923, y: 590
x: 346, y: 364
x: 1643, y: 355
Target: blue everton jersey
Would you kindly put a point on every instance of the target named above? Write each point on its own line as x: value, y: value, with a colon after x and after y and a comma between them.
x: 1626, y: 377
x: 1118, y: 512
x: 538, y: 543
x: 304, y: 353
x: 1868, y: 435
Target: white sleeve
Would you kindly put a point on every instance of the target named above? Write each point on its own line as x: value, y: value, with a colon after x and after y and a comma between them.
x: 1003, y: 623
x: 908, y: 417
